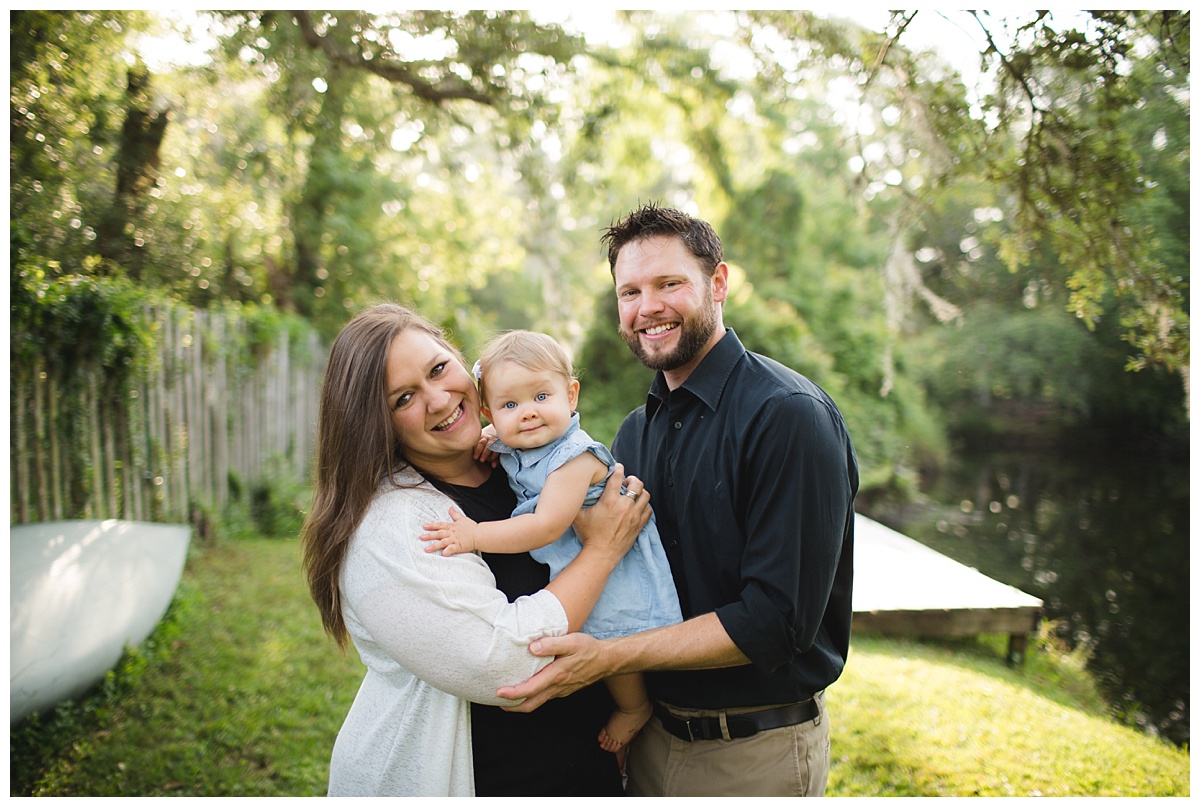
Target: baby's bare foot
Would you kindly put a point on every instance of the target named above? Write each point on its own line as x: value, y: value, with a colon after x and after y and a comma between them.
x: 623, y: 726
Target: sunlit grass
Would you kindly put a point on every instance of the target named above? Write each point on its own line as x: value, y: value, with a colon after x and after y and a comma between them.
x: 918, y: 719
x: 251, y: 697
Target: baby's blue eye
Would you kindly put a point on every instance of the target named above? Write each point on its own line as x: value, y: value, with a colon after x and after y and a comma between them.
x: 510, y: 405
x: 541, y: 396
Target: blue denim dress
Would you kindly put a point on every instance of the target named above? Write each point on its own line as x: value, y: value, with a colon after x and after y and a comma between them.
x: 640, y: 593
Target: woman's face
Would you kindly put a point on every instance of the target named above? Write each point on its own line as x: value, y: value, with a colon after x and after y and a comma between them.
x: 432, y: 400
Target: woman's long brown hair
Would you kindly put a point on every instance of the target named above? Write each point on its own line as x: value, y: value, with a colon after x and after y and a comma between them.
x: 357, y: 448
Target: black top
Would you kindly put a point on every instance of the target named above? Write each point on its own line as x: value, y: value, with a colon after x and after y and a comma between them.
x: 554, y: 750
x: 752, y: 477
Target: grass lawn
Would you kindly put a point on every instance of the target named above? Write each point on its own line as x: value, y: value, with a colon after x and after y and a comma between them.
x: 247, y: 704
x: 250, y: 699
x: 913, y: 719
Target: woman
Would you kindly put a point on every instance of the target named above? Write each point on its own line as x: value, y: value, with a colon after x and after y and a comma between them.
x: 398, y: 413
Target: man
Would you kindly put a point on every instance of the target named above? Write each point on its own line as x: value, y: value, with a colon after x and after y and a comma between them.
x: 753, y: 478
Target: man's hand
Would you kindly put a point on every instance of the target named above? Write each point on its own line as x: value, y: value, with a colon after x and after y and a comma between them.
x: 580, y: 662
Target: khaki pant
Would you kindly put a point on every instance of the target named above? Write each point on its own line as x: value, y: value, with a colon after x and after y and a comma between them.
x: 787, y: 761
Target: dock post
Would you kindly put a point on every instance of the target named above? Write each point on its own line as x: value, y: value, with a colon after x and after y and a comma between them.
x: 1016, y: 649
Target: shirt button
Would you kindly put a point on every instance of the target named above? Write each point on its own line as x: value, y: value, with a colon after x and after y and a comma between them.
x: 678, y: 425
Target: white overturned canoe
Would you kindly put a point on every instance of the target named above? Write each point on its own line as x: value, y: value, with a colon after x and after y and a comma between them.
x: 81, y: 591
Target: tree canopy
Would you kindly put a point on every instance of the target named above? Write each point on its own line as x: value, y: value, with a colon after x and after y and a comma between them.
x: 1083, y: 132
x: 891, y: 225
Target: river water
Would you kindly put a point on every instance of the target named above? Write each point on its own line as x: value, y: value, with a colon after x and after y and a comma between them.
x: 1102, y: 538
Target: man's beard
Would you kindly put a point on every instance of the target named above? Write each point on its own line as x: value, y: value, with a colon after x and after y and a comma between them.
x: 694, y: 333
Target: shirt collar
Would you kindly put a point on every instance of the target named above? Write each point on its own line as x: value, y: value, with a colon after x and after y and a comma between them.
x: 535, y: 454
x: 707, y: 381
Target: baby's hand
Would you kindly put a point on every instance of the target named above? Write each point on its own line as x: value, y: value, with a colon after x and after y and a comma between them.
x: 451, y: 537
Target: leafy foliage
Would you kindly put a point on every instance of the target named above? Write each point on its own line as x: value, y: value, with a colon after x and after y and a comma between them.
x: 77, y: 322
x: 1079, y: 178
x: 66, y: 107
x: 407, y: 87
x: 1055, y: 134
x: 612, y: 382
x: 464, y: 162
x: 1010, y: 361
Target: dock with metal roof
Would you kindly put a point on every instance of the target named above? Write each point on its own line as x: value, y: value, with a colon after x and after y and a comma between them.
x: 904, y: 588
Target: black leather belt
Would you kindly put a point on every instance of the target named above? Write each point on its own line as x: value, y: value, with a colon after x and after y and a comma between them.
x: 746, y: 724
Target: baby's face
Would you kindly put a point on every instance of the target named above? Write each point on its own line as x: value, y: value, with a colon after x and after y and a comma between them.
x: 529, y: 408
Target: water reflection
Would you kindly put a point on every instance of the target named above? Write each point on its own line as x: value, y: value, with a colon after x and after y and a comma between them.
x: 1102, y: 539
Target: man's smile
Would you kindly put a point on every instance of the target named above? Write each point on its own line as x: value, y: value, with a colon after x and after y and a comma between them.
x: 659, y: 330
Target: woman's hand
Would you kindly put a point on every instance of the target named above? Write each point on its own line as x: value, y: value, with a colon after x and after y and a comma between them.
x: 612, y: 524
x: 482, y: 453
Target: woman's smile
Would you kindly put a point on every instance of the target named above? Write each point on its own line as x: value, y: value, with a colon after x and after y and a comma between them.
x: 450, y: 421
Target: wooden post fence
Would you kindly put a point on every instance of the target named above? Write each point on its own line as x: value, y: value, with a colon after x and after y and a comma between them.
x: 209, y: 407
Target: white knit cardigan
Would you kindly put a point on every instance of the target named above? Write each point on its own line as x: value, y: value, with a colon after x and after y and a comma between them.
x: 434, y: 633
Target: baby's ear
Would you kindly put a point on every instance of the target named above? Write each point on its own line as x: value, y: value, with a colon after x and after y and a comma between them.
x: 573, y: 393
x: 487, y: 413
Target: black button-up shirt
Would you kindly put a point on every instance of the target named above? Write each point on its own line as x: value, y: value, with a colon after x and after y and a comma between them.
x: 752, y: 477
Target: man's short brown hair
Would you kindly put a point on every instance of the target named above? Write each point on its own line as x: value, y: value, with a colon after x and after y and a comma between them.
x: 650, y: 220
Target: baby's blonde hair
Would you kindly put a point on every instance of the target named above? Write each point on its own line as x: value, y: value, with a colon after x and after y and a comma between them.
x: 529, y: 349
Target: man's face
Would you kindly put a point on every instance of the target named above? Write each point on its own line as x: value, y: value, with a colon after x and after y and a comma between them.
x: 668, y: 306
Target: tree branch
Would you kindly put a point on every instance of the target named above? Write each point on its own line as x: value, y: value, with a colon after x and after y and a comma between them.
x: 1017, y: 75
x: 891, y: 40
x: 393, y: 71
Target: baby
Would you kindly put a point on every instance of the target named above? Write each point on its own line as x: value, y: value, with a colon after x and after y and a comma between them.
x: 529, y: 393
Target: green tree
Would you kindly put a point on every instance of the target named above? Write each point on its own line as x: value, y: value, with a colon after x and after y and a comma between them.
x: 367, y: 98
x: 1080, y: 180
x: 1054, y: 134
x: 68, y: 104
